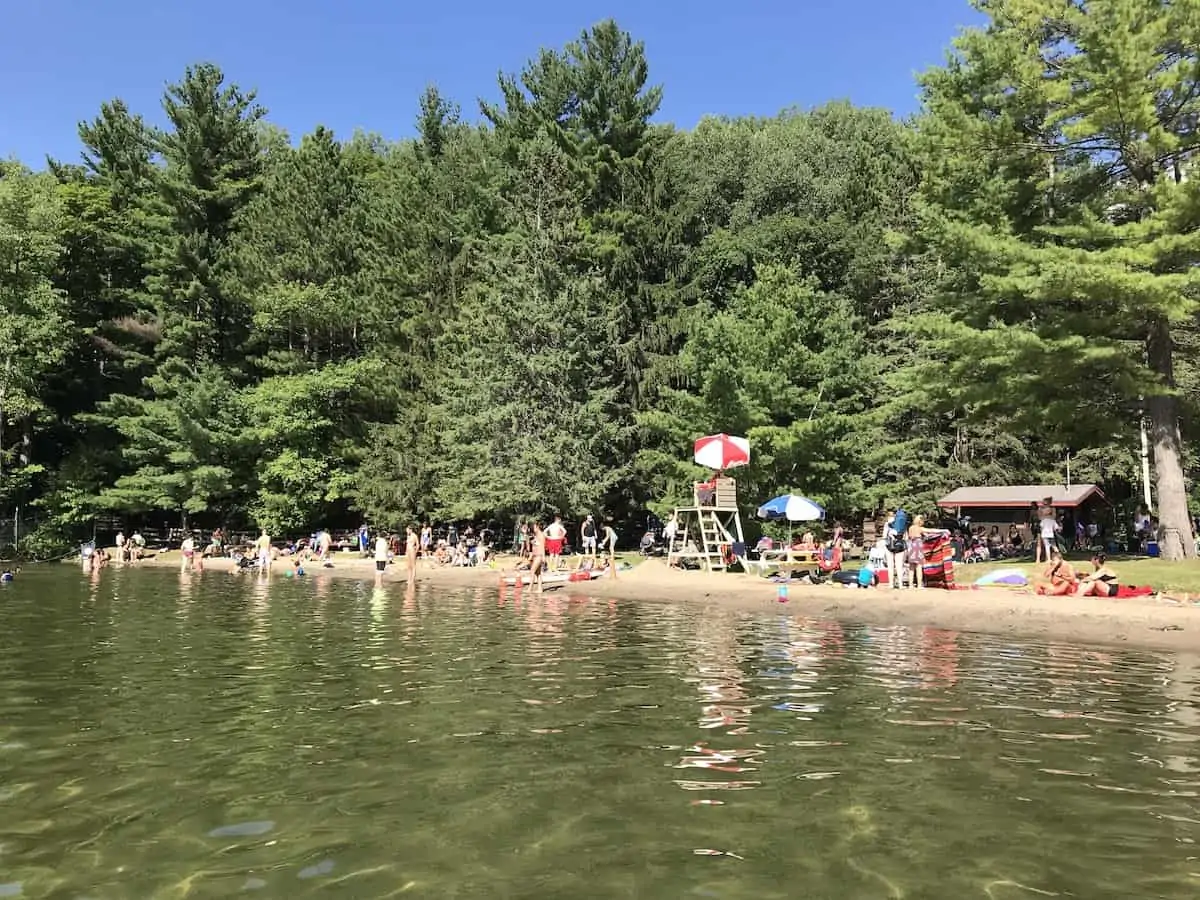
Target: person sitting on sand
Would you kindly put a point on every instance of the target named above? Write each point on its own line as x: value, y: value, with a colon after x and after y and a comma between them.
x: 1060, y: 576
x: 1101, y: 583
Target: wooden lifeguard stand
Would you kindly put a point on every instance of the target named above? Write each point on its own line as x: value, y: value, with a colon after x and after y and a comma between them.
x: 708, y: 530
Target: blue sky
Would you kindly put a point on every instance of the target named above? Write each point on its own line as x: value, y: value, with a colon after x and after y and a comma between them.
x: 352, y: 64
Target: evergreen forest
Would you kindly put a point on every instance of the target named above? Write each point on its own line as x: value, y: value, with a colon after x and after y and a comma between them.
x: 536, y: 305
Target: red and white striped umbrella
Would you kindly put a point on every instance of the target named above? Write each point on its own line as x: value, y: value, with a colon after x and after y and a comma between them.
x: 721, y: 451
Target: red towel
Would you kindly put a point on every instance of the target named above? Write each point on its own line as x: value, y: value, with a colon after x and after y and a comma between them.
x: 1123, y: 591
x: 1128, y: 590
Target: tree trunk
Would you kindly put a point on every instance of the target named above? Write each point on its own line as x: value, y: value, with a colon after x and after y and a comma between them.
x: 1177, y: 541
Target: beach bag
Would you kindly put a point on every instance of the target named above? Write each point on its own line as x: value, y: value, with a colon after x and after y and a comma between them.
x: 896, y: 542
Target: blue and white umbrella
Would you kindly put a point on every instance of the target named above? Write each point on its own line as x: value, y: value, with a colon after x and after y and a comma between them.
x: 791, y: 507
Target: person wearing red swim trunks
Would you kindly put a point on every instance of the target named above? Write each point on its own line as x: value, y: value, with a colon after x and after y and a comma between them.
x: 556, y: 533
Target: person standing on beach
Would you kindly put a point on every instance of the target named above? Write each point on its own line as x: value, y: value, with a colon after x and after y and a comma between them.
x: 263, y: 544
x: 381, y: 557
x: 537, y: 560
x: 426, y: 539
x: 915, y: 556
x: 609, y: 546
x: 554, y: 537
x: 895, y: 543
x: 1049, y: 531
x: 587, y: 537
x: 188, y: 550
x: 670, y: 530
x: 411, y: 546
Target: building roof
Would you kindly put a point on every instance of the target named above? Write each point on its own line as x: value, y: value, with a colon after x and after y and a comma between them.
x: 1021, y: 495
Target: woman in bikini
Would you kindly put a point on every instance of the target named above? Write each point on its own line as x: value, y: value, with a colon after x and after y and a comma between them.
x: 1060, y: 576
x: 537, y: 561
x: 411, y: 547
x: 1102, y: 582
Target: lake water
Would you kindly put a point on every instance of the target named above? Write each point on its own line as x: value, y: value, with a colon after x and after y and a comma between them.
x: 209, y: 736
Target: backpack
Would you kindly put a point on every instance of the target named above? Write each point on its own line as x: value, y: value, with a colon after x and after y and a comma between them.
x: 896, y: 542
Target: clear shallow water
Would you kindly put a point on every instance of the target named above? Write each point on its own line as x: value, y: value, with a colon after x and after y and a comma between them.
x: 213, y: 736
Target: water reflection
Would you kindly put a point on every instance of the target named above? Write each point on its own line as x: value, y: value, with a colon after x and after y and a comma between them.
x: 207, y: 734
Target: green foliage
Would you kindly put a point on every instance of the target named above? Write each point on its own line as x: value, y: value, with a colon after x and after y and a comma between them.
x: 35, y: 324
x: 542, y: 313
x: 1058, y: 204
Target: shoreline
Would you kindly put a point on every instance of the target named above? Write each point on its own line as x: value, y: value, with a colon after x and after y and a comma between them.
x: 1143, y: 623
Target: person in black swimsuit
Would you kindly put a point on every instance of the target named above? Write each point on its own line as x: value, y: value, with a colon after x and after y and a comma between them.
x: 1102, y: 582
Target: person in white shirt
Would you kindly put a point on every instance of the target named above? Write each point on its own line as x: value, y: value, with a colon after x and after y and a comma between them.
x: 670, y: 530
x: 263, y: 546
x: 381, y: 557
x: 1049, y: 532
x: 189, y: 553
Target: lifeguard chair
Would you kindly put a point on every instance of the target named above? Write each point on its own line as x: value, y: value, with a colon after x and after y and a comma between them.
x: 709, y: 529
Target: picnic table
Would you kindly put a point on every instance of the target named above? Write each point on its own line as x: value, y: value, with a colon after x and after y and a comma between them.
x: 786, y: 556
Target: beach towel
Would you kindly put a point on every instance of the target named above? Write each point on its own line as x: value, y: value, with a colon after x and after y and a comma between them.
x: 1124, y: 591
x: 1129, y: 590
x: 939, y: 560
x: 1003, y: 578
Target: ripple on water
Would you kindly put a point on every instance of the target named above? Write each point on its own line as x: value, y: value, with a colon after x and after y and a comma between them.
x: 469, y: 745
x: 243, y: 829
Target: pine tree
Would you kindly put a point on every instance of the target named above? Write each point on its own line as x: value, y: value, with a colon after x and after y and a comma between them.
x: 182, y: 437
x: 594, y: 101
x: 299, y: 252
x: 524, y: 401
x: 1061, y: 138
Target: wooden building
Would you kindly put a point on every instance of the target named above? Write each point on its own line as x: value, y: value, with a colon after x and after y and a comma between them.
x: 1012, y: 504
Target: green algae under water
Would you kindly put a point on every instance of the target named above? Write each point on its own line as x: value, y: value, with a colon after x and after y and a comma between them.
x: 216, y: 735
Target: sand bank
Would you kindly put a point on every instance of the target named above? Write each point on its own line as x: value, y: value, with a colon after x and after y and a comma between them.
x: 1140, y: 622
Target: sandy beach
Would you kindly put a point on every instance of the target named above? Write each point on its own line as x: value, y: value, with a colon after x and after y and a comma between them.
x: 1140, y: 622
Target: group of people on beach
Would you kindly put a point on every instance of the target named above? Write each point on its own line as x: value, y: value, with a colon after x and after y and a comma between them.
x: 904, y: 549
x: 541, y: 549
x: 1060, y: 579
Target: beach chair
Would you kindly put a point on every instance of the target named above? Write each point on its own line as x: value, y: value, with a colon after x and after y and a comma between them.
x: 829, y: 561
